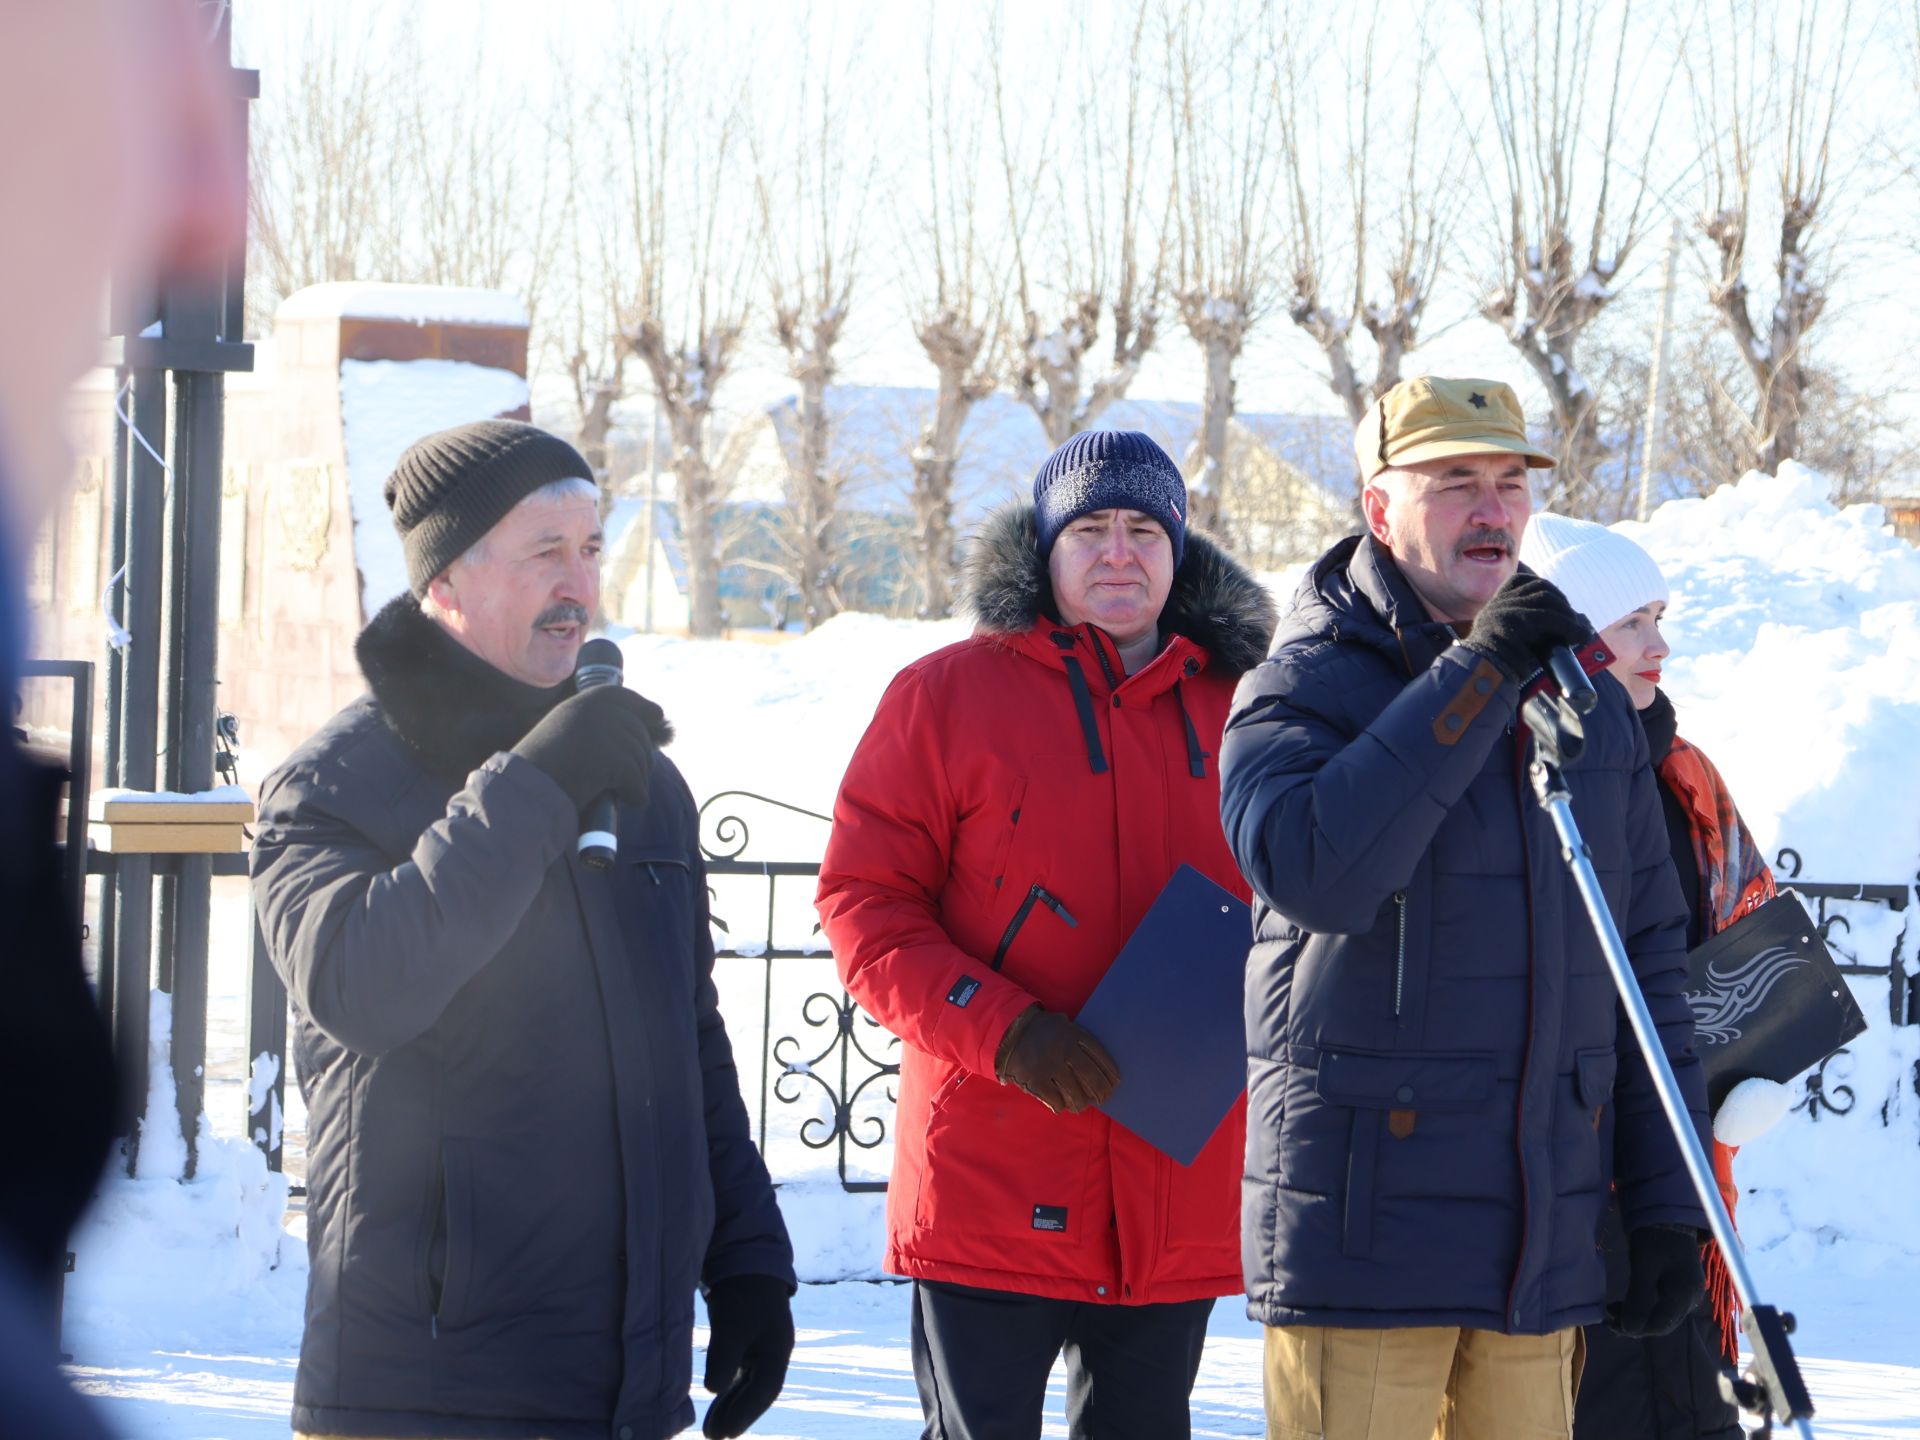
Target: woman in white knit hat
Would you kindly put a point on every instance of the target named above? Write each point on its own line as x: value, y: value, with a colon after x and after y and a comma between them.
x: 1664, y: 1386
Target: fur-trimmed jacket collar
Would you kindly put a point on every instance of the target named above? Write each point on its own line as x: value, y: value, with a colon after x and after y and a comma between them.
x: 1215, y: 601
x: 448, y: 706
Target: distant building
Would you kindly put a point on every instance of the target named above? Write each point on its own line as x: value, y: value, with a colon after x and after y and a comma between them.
x: 1292, y: 496
x: 1903, y: 513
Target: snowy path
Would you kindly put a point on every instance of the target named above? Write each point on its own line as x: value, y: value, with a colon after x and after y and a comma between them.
x: 852, y: 1377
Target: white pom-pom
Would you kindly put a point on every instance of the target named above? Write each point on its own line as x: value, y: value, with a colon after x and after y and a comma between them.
x: 1751, y: 1108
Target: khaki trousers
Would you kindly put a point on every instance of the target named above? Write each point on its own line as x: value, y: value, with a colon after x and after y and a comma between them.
x: 1420, y: 1383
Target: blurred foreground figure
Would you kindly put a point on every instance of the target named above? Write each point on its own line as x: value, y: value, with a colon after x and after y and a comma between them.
x: 121, y: 156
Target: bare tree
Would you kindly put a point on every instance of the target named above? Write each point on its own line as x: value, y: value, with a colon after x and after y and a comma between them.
x: 694, y: 258
x: 325, y: 193
x: 1091, y: 216
x: 1564, y: 169
x: 358, y: 177
x: 1848, y: 429
x: 1364, y: 251
x: 812, y: 199
x: 958, y: 322
x: 476, y: 213
x: 1221, y: 102
x: 1769, y: 104
x: 586, y: 263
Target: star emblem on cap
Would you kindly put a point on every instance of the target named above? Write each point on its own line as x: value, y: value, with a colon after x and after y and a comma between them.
x: 1477, y: 400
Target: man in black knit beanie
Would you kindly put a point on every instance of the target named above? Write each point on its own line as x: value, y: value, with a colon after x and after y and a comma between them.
x: 526, y: 1143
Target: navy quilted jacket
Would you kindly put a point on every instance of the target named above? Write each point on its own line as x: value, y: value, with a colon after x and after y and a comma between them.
x: 1440, y: 1085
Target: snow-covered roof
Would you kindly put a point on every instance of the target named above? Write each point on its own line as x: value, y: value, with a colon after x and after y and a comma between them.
x: 874, y: 429
x: 418, y: 304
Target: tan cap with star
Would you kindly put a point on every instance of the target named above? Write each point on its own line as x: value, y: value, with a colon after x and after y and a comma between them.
x: 1434, y: 418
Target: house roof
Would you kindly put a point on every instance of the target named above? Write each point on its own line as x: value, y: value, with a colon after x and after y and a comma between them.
x: 874, y: 430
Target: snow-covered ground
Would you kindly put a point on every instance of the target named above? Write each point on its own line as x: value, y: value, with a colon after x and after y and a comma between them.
x: 1797, y: 667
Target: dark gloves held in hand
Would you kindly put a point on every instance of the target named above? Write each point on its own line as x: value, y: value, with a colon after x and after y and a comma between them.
x: 1061, y: 1065
x: 750, y: 1339
x: 1665, y: 1281
x: 1525, y: 620
x: 599, y: 742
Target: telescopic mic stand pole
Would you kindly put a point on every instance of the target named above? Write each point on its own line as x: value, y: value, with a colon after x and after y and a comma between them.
x: 1773, y: 1385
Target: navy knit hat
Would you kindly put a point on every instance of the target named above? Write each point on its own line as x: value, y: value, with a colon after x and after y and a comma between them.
x: 1109, y: 470
x: 452, y: 487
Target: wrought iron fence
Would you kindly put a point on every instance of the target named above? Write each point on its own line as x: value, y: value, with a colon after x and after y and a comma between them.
x: 838, y: 1062
x: 829, y: 1051
x: 1825, y: 1093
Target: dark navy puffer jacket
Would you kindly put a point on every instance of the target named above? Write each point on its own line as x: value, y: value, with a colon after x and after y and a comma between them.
x: 1439, y: 1090
x: 527, y: 1146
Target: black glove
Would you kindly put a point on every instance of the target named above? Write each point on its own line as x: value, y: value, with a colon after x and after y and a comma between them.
x: 1525, y: 620
x: 598, y: 742
x: 1665, y: 1281
x: 1056, y: 1061
x: 750, y: 1320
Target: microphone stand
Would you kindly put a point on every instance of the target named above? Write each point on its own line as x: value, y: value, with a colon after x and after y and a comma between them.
x: 1773, y: 1385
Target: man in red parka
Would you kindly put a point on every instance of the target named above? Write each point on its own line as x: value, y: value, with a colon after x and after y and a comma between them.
x: 1013, y: 810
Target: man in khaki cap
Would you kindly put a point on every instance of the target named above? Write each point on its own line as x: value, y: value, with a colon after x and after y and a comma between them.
x: 1439, y: 1099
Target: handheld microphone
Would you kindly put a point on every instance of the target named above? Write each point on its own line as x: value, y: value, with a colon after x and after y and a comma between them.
x: 600, y: 663
x: 1571, y: 676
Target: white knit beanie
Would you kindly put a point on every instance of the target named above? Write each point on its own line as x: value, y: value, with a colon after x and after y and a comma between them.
x: 1603, y: 574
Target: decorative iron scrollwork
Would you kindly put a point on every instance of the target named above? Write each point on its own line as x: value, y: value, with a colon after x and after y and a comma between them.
x: 730, y: 835
x: 845, y: 1020
x: 1820, y: 1097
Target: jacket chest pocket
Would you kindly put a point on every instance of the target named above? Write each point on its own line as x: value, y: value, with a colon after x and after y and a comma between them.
x: 658, y: 910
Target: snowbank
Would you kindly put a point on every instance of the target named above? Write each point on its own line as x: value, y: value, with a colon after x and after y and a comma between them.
x: 163, y: 1263
x: 1796, y: 667
x: 386, y: 405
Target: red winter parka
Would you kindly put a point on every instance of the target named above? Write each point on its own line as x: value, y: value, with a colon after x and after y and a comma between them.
x: 1012, y: 811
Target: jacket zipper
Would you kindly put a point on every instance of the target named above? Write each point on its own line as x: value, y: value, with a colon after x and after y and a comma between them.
x: 1526, y: 1052
x: 1106, y: 669
x: 1036, y: 893
x: 1400, y: 953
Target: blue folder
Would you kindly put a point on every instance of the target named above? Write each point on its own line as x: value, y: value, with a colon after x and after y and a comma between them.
x: 1169, y: 1012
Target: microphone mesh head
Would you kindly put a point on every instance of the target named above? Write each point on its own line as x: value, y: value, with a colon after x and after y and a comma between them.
x: 599, y: 663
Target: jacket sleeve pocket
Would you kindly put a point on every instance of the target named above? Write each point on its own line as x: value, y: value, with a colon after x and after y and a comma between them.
x: 1408, y: 1081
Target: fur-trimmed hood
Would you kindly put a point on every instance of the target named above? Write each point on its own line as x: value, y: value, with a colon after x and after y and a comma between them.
x: 450, y: 708
x: 1215, y: 601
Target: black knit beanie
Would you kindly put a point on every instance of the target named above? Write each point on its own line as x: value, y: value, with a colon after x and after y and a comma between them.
x: 451, y: 488
x: 1109, y: 470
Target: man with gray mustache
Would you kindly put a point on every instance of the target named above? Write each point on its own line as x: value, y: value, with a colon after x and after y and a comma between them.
x: 526, y: 1143
x: 1439, y: 1096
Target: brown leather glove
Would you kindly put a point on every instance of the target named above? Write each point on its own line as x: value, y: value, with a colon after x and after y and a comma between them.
x: 1061, y: 1065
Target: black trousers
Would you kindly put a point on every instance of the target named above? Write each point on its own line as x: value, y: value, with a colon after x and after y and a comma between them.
x: 1666, y: 1387
x: 981, y: 1359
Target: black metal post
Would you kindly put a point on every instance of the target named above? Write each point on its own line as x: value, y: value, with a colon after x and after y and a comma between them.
x: 113, y: 603
x: 173, y: 619
x: 139, y: 742
x: 114, y: 598
x: 193, y: 600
